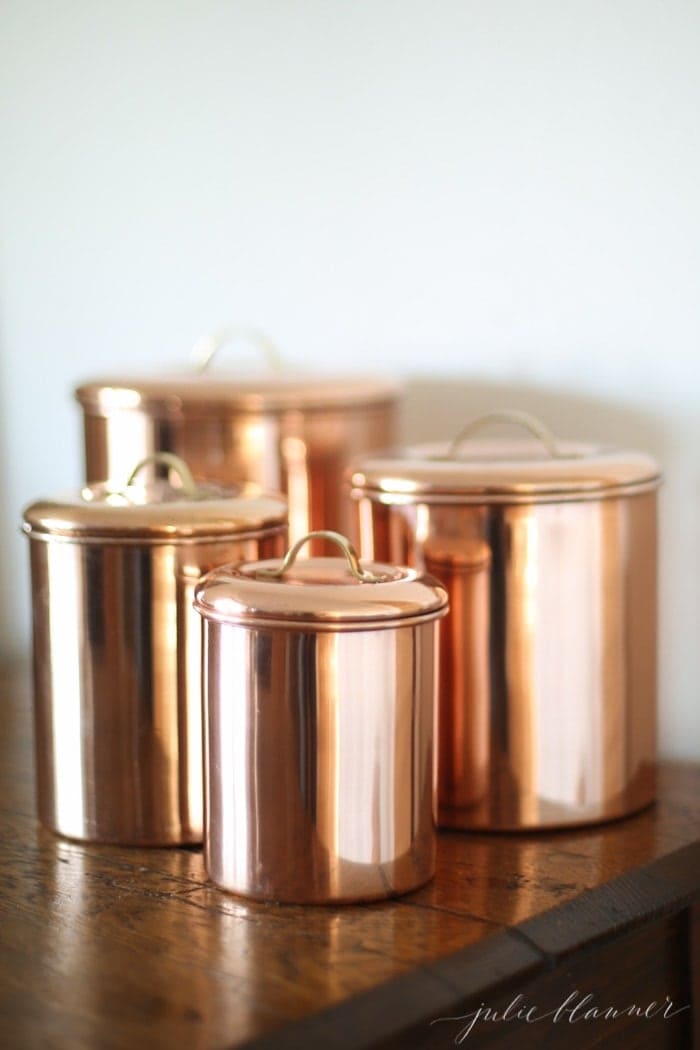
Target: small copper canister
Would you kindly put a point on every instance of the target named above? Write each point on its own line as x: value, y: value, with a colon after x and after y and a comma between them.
x: 289, y: 433
x: 547, y: 548
x: 319, y: 695
x: 117, y: 660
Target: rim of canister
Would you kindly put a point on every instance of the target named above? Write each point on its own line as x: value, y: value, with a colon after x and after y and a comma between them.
x: 204, y: 394
x: 541, y: 468
x: 156, y: 510
x: 320, y: 593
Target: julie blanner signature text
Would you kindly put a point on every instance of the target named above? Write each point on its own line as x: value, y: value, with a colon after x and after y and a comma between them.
x: 576, y: 1008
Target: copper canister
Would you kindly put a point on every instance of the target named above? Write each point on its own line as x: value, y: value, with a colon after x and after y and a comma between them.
x: 289, y: 433
x: 117, y: 661
x: 319, y: 694
x: 547, y: 548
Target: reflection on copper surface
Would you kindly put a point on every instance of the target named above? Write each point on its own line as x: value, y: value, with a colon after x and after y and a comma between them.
x: 319, y: 759
x: 117, y: 672
x: 65, y: 771
x: 463, y: 752
x: 548, y: 687
x: 299, y: 451
x: 296, y: 484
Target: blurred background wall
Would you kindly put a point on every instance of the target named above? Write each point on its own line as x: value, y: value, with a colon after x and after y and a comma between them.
x: 497, y: 200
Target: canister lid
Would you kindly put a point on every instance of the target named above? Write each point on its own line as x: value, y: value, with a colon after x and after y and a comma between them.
x: 170, y: 395
x: 503, y: 470
x: 156, y: 510
x: 199, y: 392
x: 328, y: 593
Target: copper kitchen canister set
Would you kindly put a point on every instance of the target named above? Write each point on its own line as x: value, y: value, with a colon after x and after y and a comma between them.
x: 195, y: 682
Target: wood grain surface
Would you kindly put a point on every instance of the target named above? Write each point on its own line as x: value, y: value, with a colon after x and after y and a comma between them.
x: 111, y: 947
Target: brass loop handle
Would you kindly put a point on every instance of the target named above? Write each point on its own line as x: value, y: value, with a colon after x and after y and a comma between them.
x: 522, y: 419
x: 172, y: 462
x: 208, y: 346
x: 341, y: 541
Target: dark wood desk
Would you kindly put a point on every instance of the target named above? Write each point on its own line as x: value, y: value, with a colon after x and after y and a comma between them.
x: 128, y: 948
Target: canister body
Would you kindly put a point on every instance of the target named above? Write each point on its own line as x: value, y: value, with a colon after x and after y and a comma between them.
x: 117, y: 669
x: 301, y: 452
x: 547, y: 701
x: 319, y: 748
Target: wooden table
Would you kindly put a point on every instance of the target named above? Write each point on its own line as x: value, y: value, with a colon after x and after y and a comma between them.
x: 128, y: 948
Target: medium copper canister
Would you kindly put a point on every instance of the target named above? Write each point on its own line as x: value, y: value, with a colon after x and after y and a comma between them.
x: 117, y: 661
x: 319, y: 695
x: 287, y: 432
x: 547, y: 548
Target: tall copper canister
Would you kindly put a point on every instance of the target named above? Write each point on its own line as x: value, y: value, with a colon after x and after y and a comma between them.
x: 320, y: 685
x: 117, y: 661
x: 547, y: 548
x: 290, y: 433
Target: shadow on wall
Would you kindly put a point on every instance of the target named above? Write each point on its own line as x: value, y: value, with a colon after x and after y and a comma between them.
x: 437, y: 409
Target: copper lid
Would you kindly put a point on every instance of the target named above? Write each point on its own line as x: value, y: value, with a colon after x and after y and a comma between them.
x: 328, y: 593
x: 545, y: 469
x: 207, y: 393
x: 156, y: 511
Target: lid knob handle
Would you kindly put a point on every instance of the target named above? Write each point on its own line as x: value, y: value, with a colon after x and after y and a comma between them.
x: 208, y: 346
x: 341, y: 541
x: 172, y: 462
x: 523, y: 419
